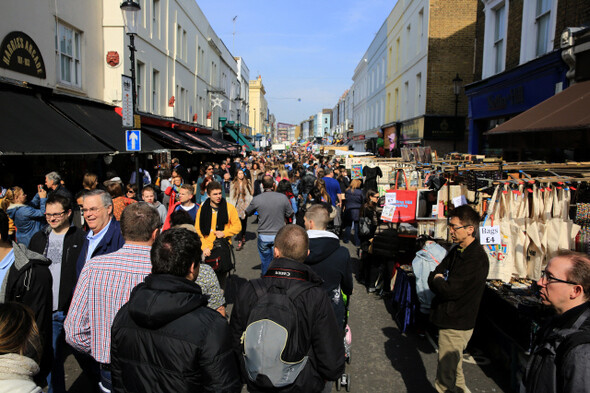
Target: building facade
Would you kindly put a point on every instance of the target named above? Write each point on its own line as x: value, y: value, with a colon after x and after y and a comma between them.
x: 368, y: 91
x: 519, y: 63
x: 429, y: 44
x: 182, y: 67
x: 259, y: 117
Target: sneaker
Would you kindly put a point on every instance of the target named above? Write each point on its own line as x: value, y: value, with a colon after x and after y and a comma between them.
x: 371, y: 290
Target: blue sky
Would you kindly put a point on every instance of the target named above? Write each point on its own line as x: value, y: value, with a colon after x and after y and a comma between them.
x: 303, y: 49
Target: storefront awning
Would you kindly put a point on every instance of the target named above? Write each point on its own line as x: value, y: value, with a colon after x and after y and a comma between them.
x: 239, y: 138
x: 103, y: 122
x: 216, y: 145
x: 177, y: 139
x: 567, y: 110
x: 30, y: 126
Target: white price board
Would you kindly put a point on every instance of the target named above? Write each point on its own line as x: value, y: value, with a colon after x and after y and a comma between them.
x: 459, y: 201
x: 489, y: 235
x: 390, y: 199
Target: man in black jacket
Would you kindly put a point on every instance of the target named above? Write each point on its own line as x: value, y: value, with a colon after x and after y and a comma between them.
x: 458, y: 284
x: 165, y: 338
x: 25, y: 278
x: 328, y: 259
x: 317, y: 328
x: 560, y: 359
x: 61, y: 244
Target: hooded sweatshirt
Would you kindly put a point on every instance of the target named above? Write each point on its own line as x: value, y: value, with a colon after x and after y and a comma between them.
x: 331, y: 262
x: 166, y: 336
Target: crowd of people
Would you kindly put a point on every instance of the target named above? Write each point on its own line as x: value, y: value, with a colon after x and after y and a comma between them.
x: 133, y: 280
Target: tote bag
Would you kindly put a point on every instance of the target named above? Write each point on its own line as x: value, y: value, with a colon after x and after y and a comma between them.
x: 404, y: 202
x: 500, y: 255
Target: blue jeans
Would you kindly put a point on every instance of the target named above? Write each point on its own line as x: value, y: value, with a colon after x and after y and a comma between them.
x: 347, y: 229
x: 266, y: 247
x: 56, y: 379
x: 105, y: 384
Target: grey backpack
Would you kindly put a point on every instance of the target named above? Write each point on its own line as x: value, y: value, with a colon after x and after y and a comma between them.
x: 273, y: 345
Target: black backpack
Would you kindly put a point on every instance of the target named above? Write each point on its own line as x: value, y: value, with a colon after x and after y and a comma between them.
x: 274, y: 346
x: 548, y: 356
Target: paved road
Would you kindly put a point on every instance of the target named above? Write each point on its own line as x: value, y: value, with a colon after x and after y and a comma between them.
x: 383, y: 359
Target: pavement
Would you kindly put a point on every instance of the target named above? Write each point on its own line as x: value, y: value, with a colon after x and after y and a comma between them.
x: 383, y: 359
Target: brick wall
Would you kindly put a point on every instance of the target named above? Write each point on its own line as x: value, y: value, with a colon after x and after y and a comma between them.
x: 571, y: 13
x: 513, y: 34
x: 450, y: 51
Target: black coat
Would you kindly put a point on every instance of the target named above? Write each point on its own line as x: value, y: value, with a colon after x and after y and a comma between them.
x: 166, y: 339
x: 326, y: 360
x: 457, y: 298
x: 331, y: 262
x: 73, y: 242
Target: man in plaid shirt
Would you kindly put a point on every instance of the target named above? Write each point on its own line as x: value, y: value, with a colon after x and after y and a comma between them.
x: 105, y: 284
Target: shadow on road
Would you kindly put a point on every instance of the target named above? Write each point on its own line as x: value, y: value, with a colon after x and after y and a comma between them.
x: 403, y: 352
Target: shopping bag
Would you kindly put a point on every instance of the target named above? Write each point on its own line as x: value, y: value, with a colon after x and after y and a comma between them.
x: 499, y: 255
x: 403, y: 202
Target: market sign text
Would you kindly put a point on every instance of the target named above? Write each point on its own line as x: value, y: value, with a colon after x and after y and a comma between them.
x: 20, y: 53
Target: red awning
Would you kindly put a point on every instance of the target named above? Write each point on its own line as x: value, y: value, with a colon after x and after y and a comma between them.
x: 567, y: 110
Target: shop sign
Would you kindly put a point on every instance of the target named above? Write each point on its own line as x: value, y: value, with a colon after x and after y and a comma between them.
x: 360, y: 137
x: 412, y: 129
x: 127, y: 101
x: 444, y: 127
x: 20, y: 54
x: 514, y: 96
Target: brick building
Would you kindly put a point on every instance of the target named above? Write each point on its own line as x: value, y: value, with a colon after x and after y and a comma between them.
x: 518, y: 65
x: 429, y: 45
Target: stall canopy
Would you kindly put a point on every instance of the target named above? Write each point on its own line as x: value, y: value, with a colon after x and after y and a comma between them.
x: 30, y: 126
x: 567, y: 110
x: 103, y: 122
x: 176, y: 138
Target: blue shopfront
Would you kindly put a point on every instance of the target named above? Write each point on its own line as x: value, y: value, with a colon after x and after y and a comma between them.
x: 496, y: 99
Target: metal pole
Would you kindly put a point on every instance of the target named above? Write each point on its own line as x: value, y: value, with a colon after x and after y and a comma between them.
x: 138, y: 176
x: 455, y: 138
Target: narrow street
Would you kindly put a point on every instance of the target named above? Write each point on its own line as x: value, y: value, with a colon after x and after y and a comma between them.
x: 383, y: 359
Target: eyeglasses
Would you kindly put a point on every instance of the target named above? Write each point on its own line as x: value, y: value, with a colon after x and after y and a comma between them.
x: 549, y: 278
x: 92, y: 210
x: 209, y: 169
x: 455, y: 228
x: 54, y: 215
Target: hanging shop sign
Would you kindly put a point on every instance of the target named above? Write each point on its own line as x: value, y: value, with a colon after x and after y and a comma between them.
x: 20, y: 54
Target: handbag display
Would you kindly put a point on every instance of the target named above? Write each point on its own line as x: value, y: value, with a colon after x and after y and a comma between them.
x: 221, y: 258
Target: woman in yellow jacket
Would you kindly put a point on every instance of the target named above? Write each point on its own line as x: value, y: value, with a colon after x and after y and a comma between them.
x: 216, y: 219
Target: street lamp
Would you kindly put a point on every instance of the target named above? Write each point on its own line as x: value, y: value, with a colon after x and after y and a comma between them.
x: 130, y: 9
x: 457, y: 90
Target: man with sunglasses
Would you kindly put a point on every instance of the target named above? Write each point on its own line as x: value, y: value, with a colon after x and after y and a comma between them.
x: 458, y: 284
x: 560, y: 360
x: 61, y: 244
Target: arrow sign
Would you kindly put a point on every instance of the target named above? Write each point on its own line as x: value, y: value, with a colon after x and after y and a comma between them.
x: 133, y: 140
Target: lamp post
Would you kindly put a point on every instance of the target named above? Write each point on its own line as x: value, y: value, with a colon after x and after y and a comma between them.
x: 457, y: 90
x: 130, y: 9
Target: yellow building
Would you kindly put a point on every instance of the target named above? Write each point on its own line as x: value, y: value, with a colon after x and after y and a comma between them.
x: 258, y: 107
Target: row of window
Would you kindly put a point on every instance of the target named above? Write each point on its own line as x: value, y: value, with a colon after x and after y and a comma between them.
x: 536, y: 35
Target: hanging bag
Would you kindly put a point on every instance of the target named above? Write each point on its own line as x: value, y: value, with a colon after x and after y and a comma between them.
x: 403, y: 202
x: 499, y: 255
x: 221, y: 258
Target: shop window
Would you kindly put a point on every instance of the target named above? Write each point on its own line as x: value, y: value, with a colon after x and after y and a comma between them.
x: 68, y: 53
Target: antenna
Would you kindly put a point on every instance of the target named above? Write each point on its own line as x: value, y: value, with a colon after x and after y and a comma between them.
x: 234, y: 35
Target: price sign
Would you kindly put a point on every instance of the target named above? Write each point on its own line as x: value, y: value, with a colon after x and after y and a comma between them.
x: 489, y: 235
x: 390, y: 199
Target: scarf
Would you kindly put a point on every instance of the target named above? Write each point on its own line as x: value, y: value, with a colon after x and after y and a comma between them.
x: 207, y: 213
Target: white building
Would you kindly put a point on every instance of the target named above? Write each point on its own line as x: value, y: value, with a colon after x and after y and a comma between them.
x: 368, y: 90
x: 181, y: 64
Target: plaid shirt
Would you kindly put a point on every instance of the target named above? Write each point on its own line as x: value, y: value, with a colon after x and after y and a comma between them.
x: 104, y: 286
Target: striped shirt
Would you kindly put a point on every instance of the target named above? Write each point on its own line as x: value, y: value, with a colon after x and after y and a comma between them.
x: 104, y: 286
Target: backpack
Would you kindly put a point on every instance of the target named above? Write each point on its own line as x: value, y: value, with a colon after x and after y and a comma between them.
x: 274, y: 347
x: 548, y: 357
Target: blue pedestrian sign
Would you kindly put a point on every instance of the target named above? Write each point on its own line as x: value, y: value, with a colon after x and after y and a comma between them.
x: 133, y: 140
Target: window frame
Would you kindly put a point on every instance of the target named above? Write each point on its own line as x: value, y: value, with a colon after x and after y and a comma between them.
x: 75, y: 58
